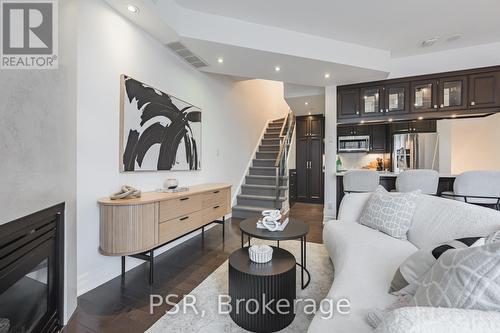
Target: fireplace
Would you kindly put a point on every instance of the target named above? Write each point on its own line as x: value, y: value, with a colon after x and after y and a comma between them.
x: 31, y: 272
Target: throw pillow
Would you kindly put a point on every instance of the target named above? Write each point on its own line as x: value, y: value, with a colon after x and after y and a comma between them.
x: 415, y: 266
x: 494, y: 237
x: 464, y: 279
x: 390, y: 213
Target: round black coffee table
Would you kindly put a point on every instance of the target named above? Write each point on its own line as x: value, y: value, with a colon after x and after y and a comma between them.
x: 256, y: 291
x: 295, y: 229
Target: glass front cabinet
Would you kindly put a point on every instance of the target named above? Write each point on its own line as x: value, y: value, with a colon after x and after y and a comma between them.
x: 371, y: 101
x: 453, y: 93
x: 397, y: 98
x: 424, y: 96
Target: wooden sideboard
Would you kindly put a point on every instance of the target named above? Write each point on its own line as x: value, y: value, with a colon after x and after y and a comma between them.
x: 136, y: 227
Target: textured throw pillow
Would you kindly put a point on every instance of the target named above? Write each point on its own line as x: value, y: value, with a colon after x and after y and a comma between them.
x: 415, y: 266
x: 390, y: 213
x: 494, y: 237
x: 464, y: 279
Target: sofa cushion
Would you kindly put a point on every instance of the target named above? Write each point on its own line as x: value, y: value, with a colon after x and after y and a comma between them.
x: 364, y: 260
x: 464, y: 279
x: 391, y: 213
x: 437, y: 220
x: 418, y: 264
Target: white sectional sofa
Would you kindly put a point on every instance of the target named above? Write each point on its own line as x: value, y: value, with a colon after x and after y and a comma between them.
x: 365, y: 261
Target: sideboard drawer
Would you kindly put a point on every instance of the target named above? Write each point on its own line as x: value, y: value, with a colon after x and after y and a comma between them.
x: 179, y: 226
x: 213, y: 198
x: 214, y: 212
x: 176, y: 207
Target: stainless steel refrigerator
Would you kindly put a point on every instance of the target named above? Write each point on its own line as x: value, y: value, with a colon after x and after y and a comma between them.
x: 415, y: 151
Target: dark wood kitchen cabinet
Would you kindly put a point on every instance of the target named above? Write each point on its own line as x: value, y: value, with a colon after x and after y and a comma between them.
x: 424, y: 96
x: 372, y: 101
x: 453, y: 93
x: 378, y: 135
x: 348, y: 103
x: 484, y: 90
x: 414, y: 126
x: 397, y: 98
x: 309, y: 159
x: 378, y: 139
x: 465, y: 93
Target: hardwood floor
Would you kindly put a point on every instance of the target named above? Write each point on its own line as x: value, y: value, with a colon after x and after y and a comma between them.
x: 122, y: 305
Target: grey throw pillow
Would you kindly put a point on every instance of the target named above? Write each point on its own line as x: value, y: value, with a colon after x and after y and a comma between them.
x: 464, y: 279
x: 390, y: 213
x: 415, y: 266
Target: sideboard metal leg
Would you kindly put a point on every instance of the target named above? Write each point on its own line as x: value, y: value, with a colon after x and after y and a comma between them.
x: 123, y: 266
x: 151, y: 266
x: 223, y: 228
x: 242, y: 241
x: 203, y: 235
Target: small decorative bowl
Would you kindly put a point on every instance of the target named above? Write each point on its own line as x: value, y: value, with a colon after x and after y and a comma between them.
x: 171, y: 183
x: 260, y: 253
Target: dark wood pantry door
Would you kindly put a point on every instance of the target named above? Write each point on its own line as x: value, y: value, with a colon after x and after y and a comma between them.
x: 309, y: 159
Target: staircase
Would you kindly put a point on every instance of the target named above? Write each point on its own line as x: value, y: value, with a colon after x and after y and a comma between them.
x: 259, y: 192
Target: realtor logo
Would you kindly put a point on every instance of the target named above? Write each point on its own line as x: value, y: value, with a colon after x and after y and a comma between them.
x: 29, y: 34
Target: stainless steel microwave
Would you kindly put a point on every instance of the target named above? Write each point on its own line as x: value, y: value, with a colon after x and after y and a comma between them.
x: 349, y: 144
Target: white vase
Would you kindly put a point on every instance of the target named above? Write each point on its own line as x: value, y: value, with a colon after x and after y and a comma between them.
x: 170, y: 183
x: 260, y: 253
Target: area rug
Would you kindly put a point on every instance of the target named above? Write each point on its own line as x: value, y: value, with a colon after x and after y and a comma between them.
x: 318, y: 264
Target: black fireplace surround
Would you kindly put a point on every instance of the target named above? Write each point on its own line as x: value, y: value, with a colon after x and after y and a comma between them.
x: 31, y: 272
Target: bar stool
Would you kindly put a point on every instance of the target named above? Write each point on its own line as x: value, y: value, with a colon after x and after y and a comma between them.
x: 361, y: 181
x: 423, y: 179
x: 477, y: 187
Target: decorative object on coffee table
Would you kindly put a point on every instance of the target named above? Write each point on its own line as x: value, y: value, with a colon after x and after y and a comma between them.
x: 250, y: 281
x: 260, y: 253
x: 296, y: 229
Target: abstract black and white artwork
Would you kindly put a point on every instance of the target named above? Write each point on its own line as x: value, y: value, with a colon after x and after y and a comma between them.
x: 158, y: 131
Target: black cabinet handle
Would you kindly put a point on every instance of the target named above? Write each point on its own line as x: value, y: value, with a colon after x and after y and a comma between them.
x: 184, y: 218
x: 216, y: 207
x: 215, y: 192
x: 182, y: 199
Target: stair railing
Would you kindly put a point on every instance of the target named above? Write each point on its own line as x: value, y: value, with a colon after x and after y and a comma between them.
x: 282, y: 158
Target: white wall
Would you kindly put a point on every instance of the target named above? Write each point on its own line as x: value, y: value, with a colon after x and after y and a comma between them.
x: 37, y: 142
x: 330, y: 152
x: 234, y: 115
x: 469, y: 144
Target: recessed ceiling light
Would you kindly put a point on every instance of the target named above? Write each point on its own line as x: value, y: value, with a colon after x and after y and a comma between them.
x: 420, y: 118
x: 309, y: 113
x: 277, y: 68
x: 133, y: 9
x: 327, y: 75
x: 390, y: 120
x: 220, y: 60
x: 454, y: 116
x: 306, y: 103
x: 362, y: 121
x: 453, y: 38
x: 429, y: 42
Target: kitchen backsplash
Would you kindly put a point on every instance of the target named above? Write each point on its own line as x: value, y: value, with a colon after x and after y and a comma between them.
x: 359, y: 160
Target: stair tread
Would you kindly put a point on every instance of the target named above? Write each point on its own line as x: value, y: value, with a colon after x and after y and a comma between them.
x: 267, y: 177
x: 265, y: 159
x: 264, y: 186
x: 260, y: 197
x: 250, y: 208
x: 269, y: 151
x: 263, y: 168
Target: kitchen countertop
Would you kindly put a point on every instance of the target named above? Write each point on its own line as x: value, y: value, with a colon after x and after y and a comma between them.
x: 395, y: 174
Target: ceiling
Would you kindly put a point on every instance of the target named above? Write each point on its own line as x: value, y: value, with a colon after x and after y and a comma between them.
x: 394, y: 25
x: 307, y: 105
x: 251, y: 63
